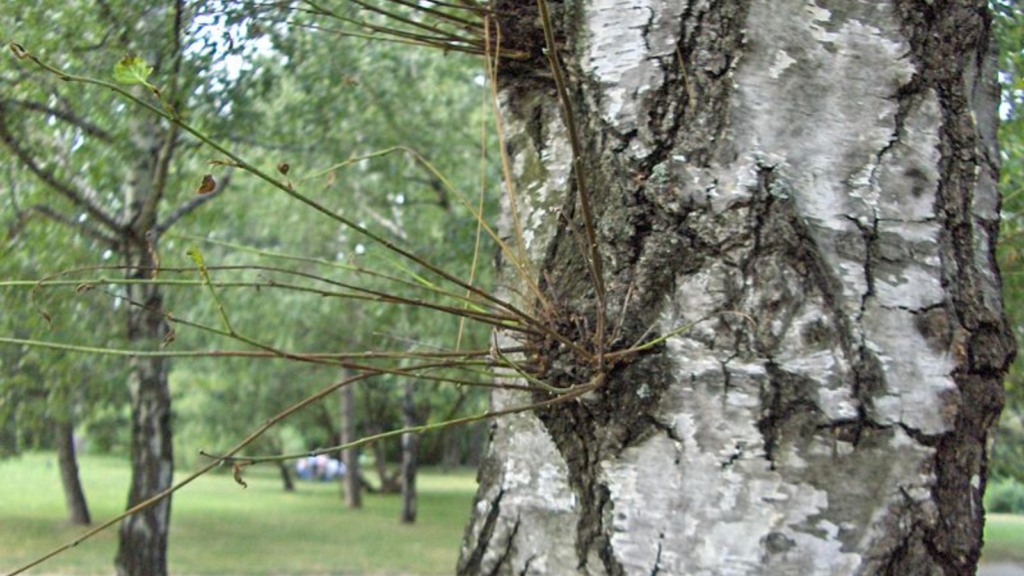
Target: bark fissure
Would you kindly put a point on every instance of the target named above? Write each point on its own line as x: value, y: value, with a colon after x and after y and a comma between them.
x: 472, y: 564
x: 507, y: 552
x: 657, y: 562
x: 526, y: 565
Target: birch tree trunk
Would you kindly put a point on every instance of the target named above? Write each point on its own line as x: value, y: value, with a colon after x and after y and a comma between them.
x: 67, y: 458
x: 812, y: 185
x: 287, y: 484
x: 410, y: 449
x: 142, y: 549
x: 351, y: 481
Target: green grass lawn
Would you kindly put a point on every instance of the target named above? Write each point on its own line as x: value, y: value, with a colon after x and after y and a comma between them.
x: 1004, y: 538
x: 219, y: 528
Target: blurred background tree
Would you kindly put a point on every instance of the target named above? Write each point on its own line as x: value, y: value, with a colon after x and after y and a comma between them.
x: 1006, y: 489
x: 82, y: 166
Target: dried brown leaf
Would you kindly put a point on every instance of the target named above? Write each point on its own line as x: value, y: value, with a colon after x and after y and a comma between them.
x: 208, y: 185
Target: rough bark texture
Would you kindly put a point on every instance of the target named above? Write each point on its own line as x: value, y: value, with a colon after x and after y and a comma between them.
x: 351, y: 484
x: 143, y: 536
x: 74, y: 496
x: 142, y: 550
x: 410, y: 448
x: 812, y: 184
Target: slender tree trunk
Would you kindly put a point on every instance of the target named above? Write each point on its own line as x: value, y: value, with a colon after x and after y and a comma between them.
x: 143, y: 537
x: 811, y: 188
x: 286, y: 477
x: 351, y: 485
x: 74, y: 496
x: 374, y: 410
x: 410, y: 446
x: 446, y: 447
x: 389, y: 481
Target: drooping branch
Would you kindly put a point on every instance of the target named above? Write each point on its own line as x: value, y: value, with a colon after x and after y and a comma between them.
x: 52, y: 280
x: 229, y: 456
x: 79, y: 197
x: 65, y: 115
x: 440, y: 25
x: 45, y: 211
x: 156, y: 498
x: 593, y: 254
x: 21, y: 53
x: 469, y: 299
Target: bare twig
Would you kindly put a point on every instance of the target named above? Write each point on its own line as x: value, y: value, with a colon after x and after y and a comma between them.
x: 284, y: 187
x: 249, y: 460
x: 595, y: 265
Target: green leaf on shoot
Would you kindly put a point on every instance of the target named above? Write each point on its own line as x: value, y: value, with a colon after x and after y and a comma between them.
x: 197, y: 257
x: 132, y: 70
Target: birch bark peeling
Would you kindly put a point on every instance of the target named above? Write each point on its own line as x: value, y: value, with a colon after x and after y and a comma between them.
x: 826, y: 168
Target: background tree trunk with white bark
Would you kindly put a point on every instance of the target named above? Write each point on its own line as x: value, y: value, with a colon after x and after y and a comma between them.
x: 67, y: 459
x: 812, y: 184
x: 410, y: 450
x: 143, y: 542
x: 351, y: 481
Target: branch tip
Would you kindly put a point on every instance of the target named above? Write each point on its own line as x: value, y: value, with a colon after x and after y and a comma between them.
x: 18, y: 50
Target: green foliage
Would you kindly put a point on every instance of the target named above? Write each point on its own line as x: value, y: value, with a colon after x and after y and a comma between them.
x: 1008, y: 453
x: 39, y: 387
x: 1005, y: 496
x: 323, y: 107
x: 1008, y: 445
x: 86, y: 140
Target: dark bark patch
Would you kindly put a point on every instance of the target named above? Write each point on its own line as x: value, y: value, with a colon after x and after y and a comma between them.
x: 949, y: 42
x: 521, y: 31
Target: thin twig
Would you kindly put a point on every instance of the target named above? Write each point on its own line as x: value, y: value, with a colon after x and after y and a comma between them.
x: 480, y: 203
x: 568, y: 395
x: 469, y: 298
x: 21, y: 53
x: 595, y: 265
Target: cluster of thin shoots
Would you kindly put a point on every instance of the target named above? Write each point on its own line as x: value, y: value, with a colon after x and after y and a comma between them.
x: 460, y: 25
x: 452, y: 26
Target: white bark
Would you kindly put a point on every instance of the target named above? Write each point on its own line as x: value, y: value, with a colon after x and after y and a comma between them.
x: 798, y: 429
